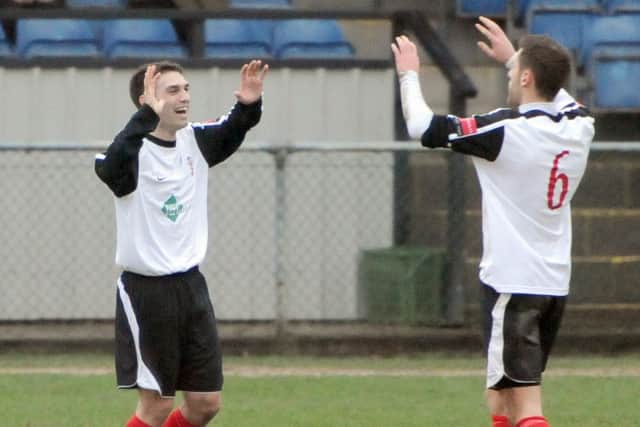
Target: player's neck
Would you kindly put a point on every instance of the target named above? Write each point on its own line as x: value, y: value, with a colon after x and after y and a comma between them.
x: 532, y: 97
x: 166, y: 134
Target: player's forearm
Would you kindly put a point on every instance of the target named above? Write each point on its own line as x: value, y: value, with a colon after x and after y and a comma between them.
x: 417, y: 113
x: 118, y: 167
x: 217, y: 141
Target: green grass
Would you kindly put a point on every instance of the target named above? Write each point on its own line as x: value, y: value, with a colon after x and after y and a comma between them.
x: 65, y: 400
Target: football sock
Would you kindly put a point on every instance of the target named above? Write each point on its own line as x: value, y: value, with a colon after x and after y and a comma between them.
x: 136, y: 422
x: 176, y: 419
x: 533, y: 422
x: 500, y: 421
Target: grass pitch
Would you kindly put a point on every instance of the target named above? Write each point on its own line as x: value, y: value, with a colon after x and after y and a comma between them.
x: 321, y: 392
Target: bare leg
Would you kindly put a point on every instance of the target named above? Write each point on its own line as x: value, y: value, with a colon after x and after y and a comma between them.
x: 153, y: 409
x: 200, y: 408
x: 525, y: 402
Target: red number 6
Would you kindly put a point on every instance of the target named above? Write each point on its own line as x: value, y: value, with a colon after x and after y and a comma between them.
x: 554, y: 177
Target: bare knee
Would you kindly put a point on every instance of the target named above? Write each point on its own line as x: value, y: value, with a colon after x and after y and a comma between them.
x: 200, y: 408
x: 152, y: 408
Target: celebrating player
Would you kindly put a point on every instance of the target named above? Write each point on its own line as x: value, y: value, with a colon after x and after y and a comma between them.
x: 529, y: 160
x: 166, y: 337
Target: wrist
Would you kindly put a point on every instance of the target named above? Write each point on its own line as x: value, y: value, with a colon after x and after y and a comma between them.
x: 511, y: 62
x: 407, y: 75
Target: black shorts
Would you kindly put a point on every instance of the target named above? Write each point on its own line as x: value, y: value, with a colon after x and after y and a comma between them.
x: 166, y: 336
x: 519, y: 331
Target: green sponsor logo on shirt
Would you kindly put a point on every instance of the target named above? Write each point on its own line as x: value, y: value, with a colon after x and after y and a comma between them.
x: 172, y: 209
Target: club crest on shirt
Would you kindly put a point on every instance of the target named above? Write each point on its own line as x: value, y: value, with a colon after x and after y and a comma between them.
x: 190, y: 163
x: 172, y: 209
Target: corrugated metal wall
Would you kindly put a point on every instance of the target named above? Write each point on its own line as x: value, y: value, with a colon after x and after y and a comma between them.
x: 80, y: 105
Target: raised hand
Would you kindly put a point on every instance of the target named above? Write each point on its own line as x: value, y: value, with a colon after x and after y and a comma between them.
x: 251, y: 81
x: 405, y: 54
x: 500, y: 48
x: 150, y: 96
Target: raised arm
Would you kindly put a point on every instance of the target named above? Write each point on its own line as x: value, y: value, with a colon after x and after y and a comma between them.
x: 251, y: 82
x: 463, y: 135
x: 218, y: 140
x: 415, y: 110
x: 118, y: 166
x: 500, y: 47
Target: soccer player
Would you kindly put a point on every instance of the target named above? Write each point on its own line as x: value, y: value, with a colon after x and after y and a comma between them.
x: 166, y: 337
x: 529, y: 159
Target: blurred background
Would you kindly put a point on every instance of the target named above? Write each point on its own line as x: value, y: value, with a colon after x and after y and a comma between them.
x: 330, y: 233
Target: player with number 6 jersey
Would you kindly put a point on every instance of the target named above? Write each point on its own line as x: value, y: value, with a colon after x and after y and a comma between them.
x: 529, y: 159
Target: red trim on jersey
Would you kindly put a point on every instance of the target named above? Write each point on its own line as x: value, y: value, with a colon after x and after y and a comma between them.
x: 468, y: 126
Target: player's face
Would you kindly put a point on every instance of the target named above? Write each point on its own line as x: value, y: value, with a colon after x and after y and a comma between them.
x: 514, y: 95
x: 173, y: 88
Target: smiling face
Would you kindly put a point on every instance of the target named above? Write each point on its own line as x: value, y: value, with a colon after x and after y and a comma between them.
x: 173, y: 88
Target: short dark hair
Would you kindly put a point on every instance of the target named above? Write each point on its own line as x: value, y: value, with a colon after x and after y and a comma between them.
x: 549, y: 61
x: 136, y: 84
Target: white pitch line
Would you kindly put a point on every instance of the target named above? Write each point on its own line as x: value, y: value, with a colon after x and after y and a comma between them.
x: 264, y: 372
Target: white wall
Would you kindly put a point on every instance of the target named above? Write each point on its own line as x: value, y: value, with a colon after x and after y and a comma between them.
x: 81, y: 105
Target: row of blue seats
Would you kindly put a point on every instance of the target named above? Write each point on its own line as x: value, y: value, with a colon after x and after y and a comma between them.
x: 498, y: 8
x: 121, y: 4
x: 606, y: 48
x: 153, y: 38
x: 603, y: 35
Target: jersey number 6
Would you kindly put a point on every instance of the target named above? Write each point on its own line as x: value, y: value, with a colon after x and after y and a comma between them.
x: 554, y: 177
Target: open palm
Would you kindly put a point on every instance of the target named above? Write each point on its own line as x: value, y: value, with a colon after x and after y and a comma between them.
x: 251, y: 81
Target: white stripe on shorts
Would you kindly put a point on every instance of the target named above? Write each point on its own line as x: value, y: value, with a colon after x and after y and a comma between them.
x: 144, y: 377
x: 495, y: 362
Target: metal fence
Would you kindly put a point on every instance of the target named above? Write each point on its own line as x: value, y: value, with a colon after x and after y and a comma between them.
x: 288, y: 227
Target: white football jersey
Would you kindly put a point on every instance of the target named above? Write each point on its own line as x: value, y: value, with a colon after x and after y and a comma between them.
x: 529, y: 163
x: 161, y: 188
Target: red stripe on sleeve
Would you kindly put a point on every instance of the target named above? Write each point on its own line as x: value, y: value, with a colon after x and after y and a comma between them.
x: 468, y: 126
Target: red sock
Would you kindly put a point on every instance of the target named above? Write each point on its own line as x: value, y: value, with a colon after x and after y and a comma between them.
x: 533, y: 422
x: 136, y: 422
x: 500, y: 421
x: 176, y: 419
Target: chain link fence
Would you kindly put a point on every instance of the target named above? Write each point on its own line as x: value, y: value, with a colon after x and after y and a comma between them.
x: 291, y: 231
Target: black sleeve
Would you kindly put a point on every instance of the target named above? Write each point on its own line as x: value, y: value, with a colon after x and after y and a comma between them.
x: 217, y: 141
x: 479, y: 136
x: 118, y: 166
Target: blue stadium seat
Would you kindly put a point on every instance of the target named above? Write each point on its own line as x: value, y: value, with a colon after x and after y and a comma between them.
x: 96, y: 24
x: 563, y: 21
x: 494, y: 8
x: 521, y: 7
x: 614, y: 73
x: 141, y: 38
x: 615, y: 7
x: 5, y: 47
x: 107, y: 4
x: 55, y: 37
x: 619, y: 31
x: 310, y: 38
x: 238, y: 38
x: 269, y: 4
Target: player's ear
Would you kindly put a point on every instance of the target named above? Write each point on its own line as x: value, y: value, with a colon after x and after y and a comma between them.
x: 526, y: 78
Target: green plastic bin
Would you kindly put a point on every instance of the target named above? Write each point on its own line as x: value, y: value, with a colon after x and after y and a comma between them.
x: 402, y: 285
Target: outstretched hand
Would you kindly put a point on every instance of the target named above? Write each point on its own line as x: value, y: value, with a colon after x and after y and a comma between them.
x: 405, y: 54
x: 500, y: 48
x: 150, y: 96
x: 251, y: 81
